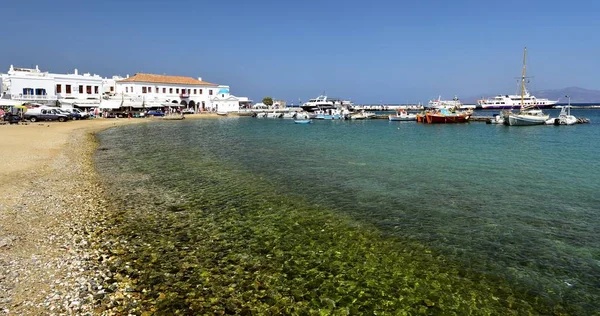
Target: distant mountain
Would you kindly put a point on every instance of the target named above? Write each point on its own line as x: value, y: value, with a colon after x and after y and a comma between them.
x: 578, y: 95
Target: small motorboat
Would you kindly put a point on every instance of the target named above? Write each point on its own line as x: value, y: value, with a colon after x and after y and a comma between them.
x: 402, y: 116
x: 308, y: 121
x: 496, y: 119
x: 222, y: 113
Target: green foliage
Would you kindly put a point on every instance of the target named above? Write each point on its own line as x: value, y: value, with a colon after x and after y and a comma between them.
x: 268, y: 101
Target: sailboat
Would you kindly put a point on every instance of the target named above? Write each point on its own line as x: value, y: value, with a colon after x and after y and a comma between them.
x: 529, y: 113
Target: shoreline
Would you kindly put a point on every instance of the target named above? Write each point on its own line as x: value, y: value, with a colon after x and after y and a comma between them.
x: 51, y: 213
x: 49, y: 209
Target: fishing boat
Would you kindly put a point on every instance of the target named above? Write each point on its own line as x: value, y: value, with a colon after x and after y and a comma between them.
x: 529, y: 113
x: 402, y: 115
x: 308, y: 121
x: 447, y: 116
x: 222, y: 113
x: 361, y: 115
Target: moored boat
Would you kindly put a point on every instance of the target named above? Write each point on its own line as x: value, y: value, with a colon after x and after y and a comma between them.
x: 402, y: 115
x: 447, y: 116
x: 307, y: 121
x: 529, y: 113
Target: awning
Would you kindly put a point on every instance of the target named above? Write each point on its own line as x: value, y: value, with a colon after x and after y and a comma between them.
x: 8, y: 102
x: 153, y: 105
x: 135, y: 105
x: 110, y: 104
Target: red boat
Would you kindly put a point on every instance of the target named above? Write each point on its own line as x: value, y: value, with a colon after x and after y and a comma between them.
x: 447, y: 116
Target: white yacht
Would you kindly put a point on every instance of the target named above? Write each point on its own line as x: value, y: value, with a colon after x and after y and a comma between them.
x: 323, y: 102
x: 445, y: 104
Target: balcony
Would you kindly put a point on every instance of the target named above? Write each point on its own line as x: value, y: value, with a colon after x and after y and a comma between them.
x: 33, y: 97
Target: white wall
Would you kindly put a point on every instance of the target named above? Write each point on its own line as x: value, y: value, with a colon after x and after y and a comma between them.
x: 18, y: 83
x: 94, y: 82
x: 135, y: 90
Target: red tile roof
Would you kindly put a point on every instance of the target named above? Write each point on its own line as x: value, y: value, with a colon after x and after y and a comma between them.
x: 152, y: 78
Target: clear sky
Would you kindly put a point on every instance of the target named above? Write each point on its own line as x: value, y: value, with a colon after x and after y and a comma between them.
x: 367, y: 51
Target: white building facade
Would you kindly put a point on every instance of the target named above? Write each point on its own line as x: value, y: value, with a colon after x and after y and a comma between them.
x: 151, y: 90
x: 31, y: 85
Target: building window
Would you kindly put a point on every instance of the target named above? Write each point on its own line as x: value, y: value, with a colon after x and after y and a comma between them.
x: 59, y: 88
x: 68, y: 89
x: 170, y: 90
x: 200, y: 91
x: 164, y: 90
x: 189, y: 91
x: 95, y: 89
x: 126, y: 89
x: 149, y: 89
x: 177, y: 90
x: 81, y: 89
x: 143, y: 89
x: 222, y: 95
x: 210, y: 92
x: 195, y: 91
x: 112, y: 89
x: 88, y: 89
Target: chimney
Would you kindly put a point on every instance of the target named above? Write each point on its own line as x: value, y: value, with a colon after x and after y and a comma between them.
x: 76, y: 72
x: 127, y: 75
x: 37, y: 68
x: 199, y: 78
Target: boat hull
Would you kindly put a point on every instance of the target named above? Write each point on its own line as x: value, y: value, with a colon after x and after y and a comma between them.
x: 446, y: 119
x: 302, y: 121
x: 405, y: 118
x: 525, y: 120
x: 512, y: 107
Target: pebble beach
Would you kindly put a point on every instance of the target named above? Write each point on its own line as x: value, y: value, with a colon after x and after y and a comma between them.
x: 51, y: 219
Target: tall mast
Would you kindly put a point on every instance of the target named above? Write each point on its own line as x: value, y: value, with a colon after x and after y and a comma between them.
x: 523, y: 77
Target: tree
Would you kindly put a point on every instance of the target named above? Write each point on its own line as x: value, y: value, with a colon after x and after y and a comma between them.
x: 267, y: 101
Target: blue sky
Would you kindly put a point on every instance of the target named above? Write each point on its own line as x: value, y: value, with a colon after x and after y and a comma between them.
x: 366, y: 51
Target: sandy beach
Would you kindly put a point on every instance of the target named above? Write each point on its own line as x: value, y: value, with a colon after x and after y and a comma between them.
x: 49, y: 203
x: 50, y: 210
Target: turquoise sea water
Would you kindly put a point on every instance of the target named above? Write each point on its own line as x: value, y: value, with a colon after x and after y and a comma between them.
x: 519, y: 204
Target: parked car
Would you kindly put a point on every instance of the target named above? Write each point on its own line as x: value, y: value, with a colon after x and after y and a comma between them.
x: 45, y: 114
x: 78, y: 114
x: 155, y: 113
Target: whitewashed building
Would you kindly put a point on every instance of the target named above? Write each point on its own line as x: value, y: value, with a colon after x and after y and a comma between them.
x: 32, y: 85
x: 21, y: 85
x: 152, y: 90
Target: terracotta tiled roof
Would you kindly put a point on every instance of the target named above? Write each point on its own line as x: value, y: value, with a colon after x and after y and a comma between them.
x: 152, y: 78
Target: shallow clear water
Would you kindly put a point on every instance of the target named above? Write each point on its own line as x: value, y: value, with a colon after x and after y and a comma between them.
x: 518, y: 203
